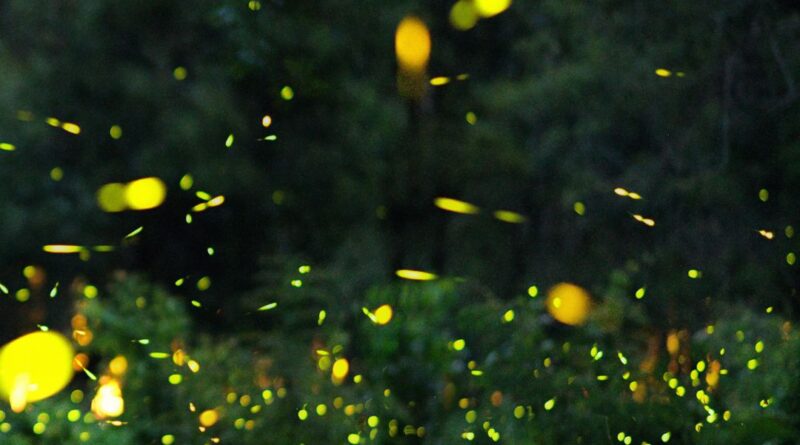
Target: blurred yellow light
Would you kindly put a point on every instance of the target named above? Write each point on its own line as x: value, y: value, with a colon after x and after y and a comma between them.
x: 56, y: 174
x: 34, y: 367
x: 266, y: 121
x: 489, y: 8
x: 209, y: 417
x: 145, y: 193
x: 108, y: 402
x: 340, y: 369
x: 455, y: 206
x: 417, y: 275
x: 287, y: 93
x: 111, y: 197
x: 663, y: 72
x: 118, y: 365
x: 568, y: 303
x: 412, y: 44
x: 180, y: 73
x: 5, y: 146
x: 69, y: 127
x: 383, y: 315
x: 62, y: 248
x: 509, y: 217
x: 115, y: 132
x: 463, y: 15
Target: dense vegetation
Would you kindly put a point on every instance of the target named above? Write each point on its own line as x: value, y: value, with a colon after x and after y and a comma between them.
x: 646, y: 151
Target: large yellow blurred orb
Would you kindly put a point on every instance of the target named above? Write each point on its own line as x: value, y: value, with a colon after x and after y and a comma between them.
x: 34, y: 367
x: 568, y: 303
x: 145, y: 193
x: 412, y: 43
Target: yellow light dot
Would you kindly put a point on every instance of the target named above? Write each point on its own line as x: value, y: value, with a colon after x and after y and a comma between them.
x: 519, y: 411
x: 23, y: 295
x: 568, y: 303
x: 548, y: 405
x: 752, y: 364
x: 180, y: 73
x: 302, y: 414
x: 759, y: 347
x: 204, y: 283
x: 418, y: 275
x: 209, y: 418
x: 439, y: 81
x: 287, y: 93
x: 533, y: 291
x: 665, y: 437
x: 471, y: 118
x: 69, y: 127
x: 372, y: 421
x: 5, y: 146
x: 693, y: 273
x: 763, y: 195
x: 89, y: 291
x: 509, y: 216
x: 353, y: 438
x: 663, y: 72
x: 175, y: 379
x: 266, y: 121
x: 111, y: 197
x: 76, y: 396
x: 640, y: 293
x: 118, y: 365
x: 167, y: 439
x: 340, y: 369
x: 115, y: 132
x: 579, y: 208
x: 791, y: 258
x: 456, y: 206
x: 463, y: 15
x: 322, y: 409
x: 383, y: 314
x: 145, y: 193
x: 74, y: 415
x: 489, y: 8
x: 186, y: 182
x: 38, y: 428
x: 56, y: 174
x: 508, y: 316
x: 412, y: 45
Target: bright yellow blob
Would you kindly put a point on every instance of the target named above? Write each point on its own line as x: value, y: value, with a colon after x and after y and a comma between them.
x: 209, y: 417
x: 489, y: 8
x: 108, y: 402
x: 340, y: 369
x: 34, y: 367
x: 417, y: 275
x: 62, y: 248
x: 118, y: 365
x: 568, y: 303
x: 412, y: 43
x: 463, y: 15
x: 383, y: 315
x: 456, y: 206
x: 509, y: 217
x: 145, y: 193
x: 111, y: 197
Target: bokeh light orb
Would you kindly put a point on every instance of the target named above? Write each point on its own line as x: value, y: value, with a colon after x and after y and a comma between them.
x: 568, y: 303
x: 34, y: 367
x: 145, y: 193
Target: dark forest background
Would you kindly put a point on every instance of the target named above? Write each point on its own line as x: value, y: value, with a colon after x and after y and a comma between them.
x: 567, y: 107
